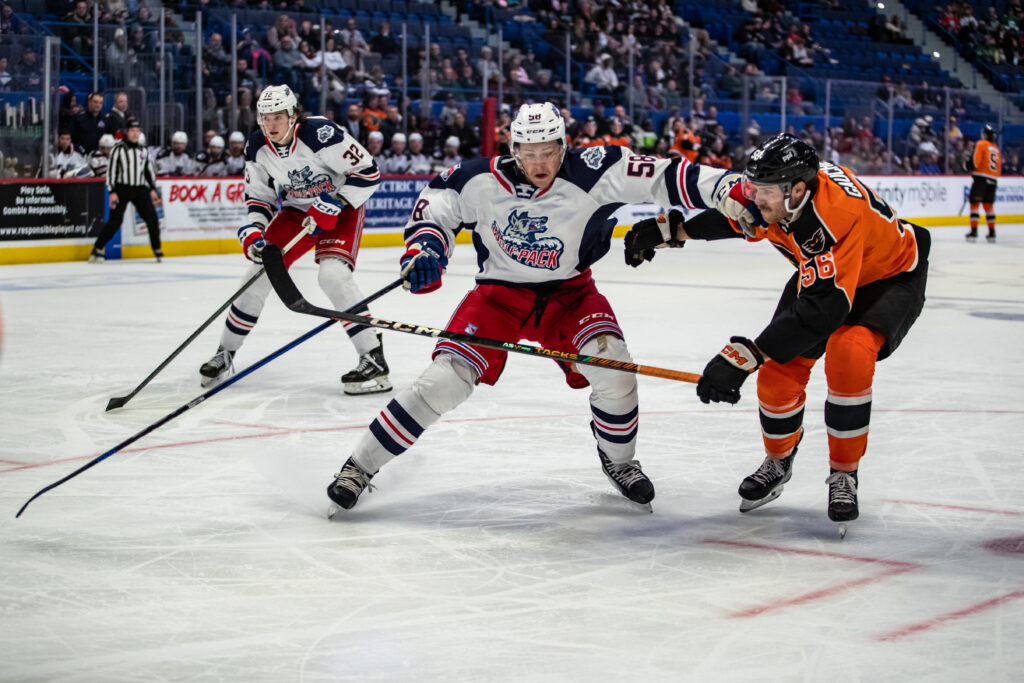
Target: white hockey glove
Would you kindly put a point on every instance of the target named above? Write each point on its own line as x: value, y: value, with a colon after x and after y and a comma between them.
x: 731, y: 203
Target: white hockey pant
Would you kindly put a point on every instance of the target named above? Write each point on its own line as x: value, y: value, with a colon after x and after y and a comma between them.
x: 613, y: 399
x: 334, y: 277
x: 447, y: 382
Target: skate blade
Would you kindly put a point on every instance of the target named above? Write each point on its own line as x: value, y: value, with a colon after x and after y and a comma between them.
x: 332, y: 511
x: 748, y: 505
x: 375, y: 386
x: 842, y: 530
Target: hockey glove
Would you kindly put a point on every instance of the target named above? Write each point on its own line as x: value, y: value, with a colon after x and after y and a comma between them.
x: 423, y: 264
x: 325, y: 211
x: 652, y: 233
x: 727, y: 371
x: 731, y: 203
x: 251, y: 237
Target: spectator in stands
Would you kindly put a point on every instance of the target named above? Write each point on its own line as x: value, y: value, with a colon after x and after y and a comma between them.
x: 78, y: 35
x: 235, y: 157
x: 353, y: 125
x: 468, y: 80
x: 90, y: 124
x: 488, y: 68
x: 588, y: 136
x: 66, y: 159
x: 894, y: 31
x: 448, y: 157
x: 729, y: 83
x: 374, y: 104
x: 117, y: 57
x: 375, y: 146
x: 795, y: 102
x: 637, y: 93
x: 603, y: 77
x: 69, y: 107
x: 384, y: 43
x: 246, y: 114
x: 419, y: 163
x: 469, y: 142
x: 287, y: 67
x: 117, y: 117
x: 246, y: 77
x: 7, y: 78
x: 615, y: 135
x: 28, y: 72
x: 284, y: 26
x: 391, y: 124
x: 449, y: 87
x: 214, y: 117
x: 928, y: 164
x: 353, y: 41
x: 137, y: 42
x: 10, y: 23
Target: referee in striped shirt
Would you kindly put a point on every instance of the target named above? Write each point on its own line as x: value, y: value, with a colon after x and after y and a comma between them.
x: 131, y: 180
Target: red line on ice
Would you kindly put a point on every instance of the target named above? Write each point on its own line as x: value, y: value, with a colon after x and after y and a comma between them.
x: 949, y: 616
x: 892, y: 568
x: 954, y: 507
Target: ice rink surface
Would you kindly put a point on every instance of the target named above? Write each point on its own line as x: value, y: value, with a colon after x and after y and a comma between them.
x: 496, y: 550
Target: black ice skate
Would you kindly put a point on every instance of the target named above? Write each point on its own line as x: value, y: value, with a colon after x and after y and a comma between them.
x: 991, y: 236
x: 765, y: 485
x: 629, y: 479
x: 842, y: 498
x: 96, y: 256
x: 370, y: 376
x: 222, y: 365
x: 159, y: 254
x: 347, y: 485
x: 972, y: 236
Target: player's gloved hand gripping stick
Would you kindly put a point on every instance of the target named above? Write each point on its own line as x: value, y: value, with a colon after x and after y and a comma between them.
x: 293, y: 299
x: 119, y: 401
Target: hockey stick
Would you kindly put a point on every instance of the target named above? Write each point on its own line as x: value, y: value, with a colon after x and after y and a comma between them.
x: 202, y: 397
x: 119, y: 401
x: 293, y: 299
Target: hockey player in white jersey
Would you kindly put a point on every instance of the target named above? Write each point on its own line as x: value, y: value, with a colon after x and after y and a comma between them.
x: 541, y: 217
x: 325, y: 177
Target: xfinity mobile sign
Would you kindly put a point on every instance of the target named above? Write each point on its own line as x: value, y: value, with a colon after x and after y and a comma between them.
x: 942, y: 197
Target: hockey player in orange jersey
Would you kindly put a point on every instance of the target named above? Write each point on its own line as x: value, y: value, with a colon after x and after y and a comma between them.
x: 986, y: 164
x: 858, y: 287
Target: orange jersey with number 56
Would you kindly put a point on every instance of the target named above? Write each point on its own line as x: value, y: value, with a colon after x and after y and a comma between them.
x: 845, y: 237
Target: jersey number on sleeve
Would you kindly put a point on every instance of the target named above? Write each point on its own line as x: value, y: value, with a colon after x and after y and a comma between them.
x: 640, y: 166
x: 353, y: 154
x: 417, y: 212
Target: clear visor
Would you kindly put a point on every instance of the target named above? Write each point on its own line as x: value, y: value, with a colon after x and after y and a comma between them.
x: 537, y: 152
x: 768, y: 193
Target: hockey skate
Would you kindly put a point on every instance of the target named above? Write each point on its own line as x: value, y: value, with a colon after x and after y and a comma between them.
x: 765, y: 485
x: 842, y: 498
x: 972, y: 236
x: 347, y: 485
x: 159, y: 255
x: 371, y: 375
x: 991, y: 236
x: 96, y: 256
x: 221, y: 366
x: 628, y: 478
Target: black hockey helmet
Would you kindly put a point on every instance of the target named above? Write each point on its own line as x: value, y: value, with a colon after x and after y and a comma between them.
x: 988, y: 132
x: 782, y: 160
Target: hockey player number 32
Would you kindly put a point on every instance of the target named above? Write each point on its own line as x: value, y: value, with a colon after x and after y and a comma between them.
x: 821, y: 267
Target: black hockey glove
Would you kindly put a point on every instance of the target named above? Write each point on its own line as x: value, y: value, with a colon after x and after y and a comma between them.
x: 727, y: 371
x: 652, y: 233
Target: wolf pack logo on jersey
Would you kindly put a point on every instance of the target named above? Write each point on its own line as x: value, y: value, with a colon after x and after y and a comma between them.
x: 816, y: 244
x: 521, y: 241
x: 324, y: 133
x: 448, y: 174
x: 593, y: 157
x: 302, y: 183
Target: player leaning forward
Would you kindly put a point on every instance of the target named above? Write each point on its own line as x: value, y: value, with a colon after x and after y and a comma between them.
x: 325, y: 177
x: 858, y: 288
x: 540, y: 218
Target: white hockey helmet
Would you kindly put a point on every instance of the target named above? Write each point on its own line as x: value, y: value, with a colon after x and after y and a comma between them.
x: 179, y: 136
x: 107, y: 140
x: 273, y: 99
x: 534, y: 123
x: 398, y: 137
x: 217, y: 141
x: 236, y: 136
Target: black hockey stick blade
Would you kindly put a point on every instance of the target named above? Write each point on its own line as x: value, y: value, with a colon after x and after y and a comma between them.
x: 291, y: 296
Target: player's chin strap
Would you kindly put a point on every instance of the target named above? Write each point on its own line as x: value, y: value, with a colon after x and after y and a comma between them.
x: 793, y: 213
x: 293, y: 121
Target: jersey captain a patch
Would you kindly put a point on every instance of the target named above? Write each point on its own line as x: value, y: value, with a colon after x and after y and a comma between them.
x: 521, y: 240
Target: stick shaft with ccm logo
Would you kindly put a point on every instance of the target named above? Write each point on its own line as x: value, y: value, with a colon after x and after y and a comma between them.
x: 285, y: 287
